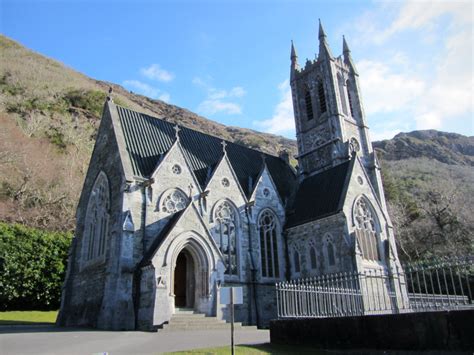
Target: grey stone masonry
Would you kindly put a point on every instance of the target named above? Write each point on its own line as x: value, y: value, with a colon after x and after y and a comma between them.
x: 166, y: 218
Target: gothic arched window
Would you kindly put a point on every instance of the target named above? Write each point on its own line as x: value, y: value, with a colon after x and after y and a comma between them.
x: 309, y: 105
x: 268, y: 230
x: 296, y: 261
x: 322, y: 98
x: 330, y: 252
x: 174, y: 201
x: 97, y: 219
x: 366, y: 233
x: 342, y: 94
x: 312, y: 257
x: 226, y: 219
x: 349, y: 96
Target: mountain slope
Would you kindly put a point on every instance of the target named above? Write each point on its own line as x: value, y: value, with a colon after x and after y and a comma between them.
x: 49, y: 116
x: 449, y: 148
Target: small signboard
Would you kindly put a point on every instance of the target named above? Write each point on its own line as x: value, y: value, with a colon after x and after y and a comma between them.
x: 237, y: 293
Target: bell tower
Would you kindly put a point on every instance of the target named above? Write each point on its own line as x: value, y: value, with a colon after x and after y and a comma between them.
x: 329, y: 117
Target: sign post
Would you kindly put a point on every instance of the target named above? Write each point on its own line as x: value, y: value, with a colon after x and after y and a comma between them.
x: 231, y: 296
x: 232, y: 321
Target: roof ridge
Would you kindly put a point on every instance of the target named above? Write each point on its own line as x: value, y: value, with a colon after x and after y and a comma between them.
x: 201, y: 132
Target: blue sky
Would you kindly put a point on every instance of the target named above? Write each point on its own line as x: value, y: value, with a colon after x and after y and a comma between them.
x: 229, y: 60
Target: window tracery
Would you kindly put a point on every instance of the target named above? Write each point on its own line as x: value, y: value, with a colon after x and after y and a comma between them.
x: 176, y: 169
x: 322, y: 98
x: 268, y: 230
x: 296, y: 261
x: 354, y: 145
x: 308, y: 105
x: 226, y: 219
x: 97, y: 219
x: 342, y: 95
x: 330, y: 252
x: 349, y: 96
x: 174, y: 201
x: 366, y: 229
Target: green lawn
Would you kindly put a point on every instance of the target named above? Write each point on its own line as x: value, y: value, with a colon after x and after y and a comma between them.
x: 254, y: 350
x: 27, y: 317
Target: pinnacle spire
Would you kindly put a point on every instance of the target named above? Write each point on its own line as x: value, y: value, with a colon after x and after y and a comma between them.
x: 322, y: 34
x: 293, y: 52
x: 345, y: 47
x: 324, y: 50
x: 294, y: 61
x: 347, y: 55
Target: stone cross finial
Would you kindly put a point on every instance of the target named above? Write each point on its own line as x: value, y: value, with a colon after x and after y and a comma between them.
x: 177, y: 129
x: 224, y: 145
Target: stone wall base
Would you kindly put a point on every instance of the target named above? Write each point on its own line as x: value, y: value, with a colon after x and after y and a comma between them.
x: 447, y: 330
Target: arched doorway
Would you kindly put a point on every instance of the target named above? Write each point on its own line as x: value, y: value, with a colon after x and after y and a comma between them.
x: 184, y: 280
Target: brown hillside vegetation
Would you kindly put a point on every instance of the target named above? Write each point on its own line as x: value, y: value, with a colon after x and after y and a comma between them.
x: 49, y: 116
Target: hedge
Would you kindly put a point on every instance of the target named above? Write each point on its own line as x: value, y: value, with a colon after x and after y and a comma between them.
x: 32, y: 267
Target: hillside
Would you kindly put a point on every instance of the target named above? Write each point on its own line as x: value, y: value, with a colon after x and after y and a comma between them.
x: 49, y: 115
x: 449, y: 148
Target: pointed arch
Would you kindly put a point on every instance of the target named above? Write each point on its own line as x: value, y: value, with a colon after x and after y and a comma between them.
x: 308, y: 104
x: 321, y: 97
x: 350, y: 96
x: 225, y: 216
x: 329, y: 250
x: 269, y: 232
x: 366, y: 228
x: 96, y: 226
x: 312, y: 253
x: 342, y: 93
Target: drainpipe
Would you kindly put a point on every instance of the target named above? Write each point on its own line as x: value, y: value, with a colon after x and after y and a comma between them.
x: 248, y: 207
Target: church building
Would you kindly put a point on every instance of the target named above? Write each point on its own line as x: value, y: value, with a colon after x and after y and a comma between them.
x: 168, y: 215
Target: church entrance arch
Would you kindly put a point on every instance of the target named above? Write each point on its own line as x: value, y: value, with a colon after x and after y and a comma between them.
x: 184, y: 280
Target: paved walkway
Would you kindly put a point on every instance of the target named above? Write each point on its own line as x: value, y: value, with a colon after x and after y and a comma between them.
x: 51, y: 340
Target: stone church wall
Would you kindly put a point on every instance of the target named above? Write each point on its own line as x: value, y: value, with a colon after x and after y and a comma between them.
x: 90, y: 291
x: 302, y: 237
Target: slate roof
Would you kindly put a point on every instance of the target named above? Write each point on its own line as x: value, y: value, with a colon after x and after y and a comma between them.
x: 148, y: 138
x: 320, y: 195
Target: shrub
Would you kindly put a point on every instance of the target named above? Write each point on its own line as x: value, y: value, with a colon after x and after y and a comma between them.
x: 32, y: 267
x: 90, y: 100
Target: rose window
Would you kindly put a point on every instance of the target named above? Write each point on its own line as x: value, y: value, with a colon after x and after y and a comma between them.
x: 174, y: 202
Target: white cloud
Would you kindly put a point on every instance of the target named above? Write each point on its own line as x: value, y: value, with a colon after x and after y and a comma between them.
x: 155, y: 72
x: 141, y: 88
x: 211, y: 107
x: 146, y: 90
x: 386, y: 91
x: 164, y: 97
x: 219, y: 100
x: 282, y: 119
x: 425, y: 91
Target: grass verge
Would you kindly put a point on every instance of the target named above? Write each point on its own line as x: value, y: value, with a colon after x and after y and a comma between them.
x: 27, y: 317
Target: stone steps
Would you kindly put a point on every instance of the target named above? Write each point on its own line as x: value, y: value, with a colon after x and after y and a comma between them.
x: 185, y: 319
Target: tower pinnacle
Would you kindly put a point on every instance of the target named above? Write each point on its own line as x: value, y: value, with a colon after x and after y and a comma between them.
x: 345, y: 47
x: 322, y: 34
x: 294, y: 56
x: 294, y: 61
x: 324, y: 50
x: 347, y: 55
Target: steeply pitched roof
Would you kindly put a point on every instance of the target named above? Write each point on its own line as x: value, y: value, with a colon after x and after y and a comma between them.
x: 320, y: 195
x: 148, y: 138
